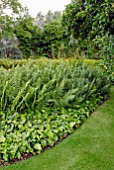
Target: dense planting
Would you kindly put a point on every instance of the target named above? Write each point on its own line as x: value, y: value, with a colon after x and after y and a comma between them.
x: 43, y: 102
x: 91, y: 24
x: 10, y: 63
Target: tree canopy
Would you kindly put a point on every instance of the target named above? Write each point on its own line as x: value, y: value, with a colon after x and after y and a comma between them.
x: 10, y: 12
x: 89, y: 21
x: 86, y: 25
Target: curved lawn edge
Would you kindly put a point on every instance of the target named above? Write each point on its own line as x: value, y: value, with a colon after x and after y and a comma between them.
x: 89, y: 147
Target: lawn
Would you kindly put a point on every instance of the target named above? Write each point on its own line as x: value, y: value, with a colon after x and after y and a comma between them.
x: 91, y: 147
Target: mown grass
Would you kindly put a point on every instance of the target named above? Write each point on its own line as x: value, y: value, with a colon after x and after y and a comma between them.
x: 91, y: 147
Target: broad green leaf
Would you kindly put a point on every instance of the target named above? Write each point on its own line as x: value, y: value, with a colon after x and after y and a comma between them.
x: 72, y: 124
x: 37, y: 146
x: 2, y: 138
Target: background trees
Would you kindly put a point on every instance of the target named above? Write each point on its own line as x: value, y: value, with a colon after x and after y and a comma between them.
x: 89, y: 22
x: 42, y: 37
x: 24, y: 30
x: 9, y: 11
x: 85, y: 25
x: 52, y: 35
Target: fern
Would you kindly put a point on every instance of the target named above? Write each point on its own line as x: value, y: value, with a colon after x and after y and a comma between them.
x: 3, y: 95
x: 19, y: 95
x: 38, y: 84
x: 69, y: 97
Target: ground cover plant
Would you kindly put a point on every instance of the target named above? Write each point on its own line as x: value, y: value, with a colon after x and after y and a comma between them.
x: 42, y: 103
x: 89, y: 147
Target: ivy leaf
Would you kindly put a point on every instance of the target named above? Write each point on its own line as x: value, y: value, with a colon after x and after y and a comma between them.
x: 72, y: 124
x: 2, y: 138
x: 37, y: 146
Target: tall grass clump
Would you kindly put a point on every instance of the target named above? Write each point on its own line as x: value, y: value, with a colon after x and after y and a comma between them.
x: 43, y: 102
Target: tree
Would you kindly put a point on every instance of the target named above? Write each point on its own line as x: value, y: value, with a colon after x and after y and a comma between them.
x: 13, y: 5
x: 39, y: 20
x: 57, y: 15
x: 51, y: 35
x: 14, y: 8
x: 89, y: 21
x: 37, y: 41
x: 48, y: 17
x: 53, y: 38
x: 24, y: 30
x: 7, y: 21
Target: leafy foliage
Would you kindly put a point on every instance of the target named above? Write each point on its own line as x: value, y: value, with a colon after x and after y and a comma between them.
x: 43, y: 102
x: 7, y: 21
x: 89, y: 22
x: 8, y: 63
x: 23, y: 30
x: 41, y: 42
